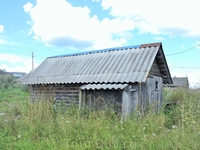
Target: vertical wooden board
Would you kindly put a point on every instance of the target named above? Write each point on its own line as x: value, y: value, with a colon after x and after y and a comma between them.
x: 149, y: 90
x: 80, y: 98
x: 134, y: 98
x: 144, y: 95
x: 125, y: 103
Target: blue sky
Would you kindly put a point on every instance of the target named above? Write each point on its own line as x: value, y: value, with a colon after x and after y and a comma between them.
x: 57, y: 27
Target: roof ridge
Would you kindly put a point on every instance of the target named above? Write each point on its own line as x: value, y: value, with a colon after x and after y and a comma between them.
x: 107, y: 50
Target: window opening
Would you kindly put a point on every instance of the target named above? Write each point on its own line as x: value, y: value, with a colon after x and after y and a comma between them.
x: 156, y: 85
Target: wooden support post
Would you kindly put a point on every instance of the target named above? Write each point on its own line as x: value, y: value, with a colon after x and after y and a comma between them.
x: 90, y: 100
x: 83, y: 99
x: 80, y: 99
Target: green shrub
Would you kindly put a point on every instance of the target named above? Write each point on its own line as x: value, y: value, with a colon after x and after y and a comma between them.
x: 7, y: 81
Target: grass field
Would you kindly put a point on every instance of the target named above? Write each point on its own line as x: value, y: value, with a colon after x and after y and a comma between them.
x: 24, y: 125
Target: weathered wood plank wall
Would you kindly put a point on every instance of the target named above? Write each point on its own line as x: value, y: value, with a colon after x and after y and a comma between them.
x: 59, y: 93
x: 155, y: 69
x: 101, y: 99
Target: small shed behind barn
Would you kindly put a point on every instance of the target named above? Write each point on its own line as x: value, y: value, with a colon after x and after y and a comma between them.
x: 129, y: 78
x: 179, y: 82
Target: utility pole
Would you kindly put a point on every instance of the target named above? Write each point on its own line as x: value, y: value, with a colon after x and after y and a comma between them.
x: 32, y: 61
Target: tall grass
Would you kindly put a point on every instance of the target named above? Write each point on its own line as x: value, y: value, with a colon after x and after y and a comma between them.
x: 7, y: 81
x: 25, y: 125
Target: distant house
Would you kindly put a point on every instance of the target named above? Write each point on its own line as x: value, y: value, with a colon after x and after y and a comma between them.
x: 129, y: 78
x: 179, y: 82
x: 17, y: 74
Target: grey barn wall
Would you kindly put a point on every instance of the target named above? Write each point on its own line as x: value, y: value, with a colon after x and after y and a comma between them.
x: 134, y: 97
x: 153, y: 96
x: 56, y: 92
x: 130, y: 99
x: 101, y: 99
x: 142, y: 96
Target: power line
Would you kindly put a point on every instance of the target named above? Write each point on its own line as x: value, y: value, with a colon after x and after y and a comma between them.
x: 183, y: 51
x: 185, y: 67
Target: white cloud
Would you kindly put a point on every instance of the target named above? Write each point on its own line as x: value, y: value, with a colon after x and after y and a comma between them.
x: 158, y: 38
x: 58, y: 23
x: 194, y: 78
x: 25, y: 64
x: 11, y: 58
x: 1, y: 28
x: 159, y: 16
x: 11, y: 43
x: 100, y: 44
x: 28, y: 7
x: 36, y: 37
x: 4, y: 42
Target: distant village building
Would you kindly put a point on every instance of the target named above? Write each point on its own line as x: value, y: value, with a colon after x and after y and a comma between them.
x: 179, y: 82
x: 129, y: 78
x: 17, y: 74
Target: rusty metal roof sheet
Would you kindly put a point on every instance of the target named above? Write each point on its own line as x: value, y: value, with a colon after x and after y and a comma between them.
x: 114, y: 65
x: 103, y: 86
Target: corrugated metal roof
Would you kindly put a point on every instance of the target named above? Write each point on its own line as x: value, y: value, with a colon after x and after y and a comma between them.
x: 103, y: 86
x: 115, y: 65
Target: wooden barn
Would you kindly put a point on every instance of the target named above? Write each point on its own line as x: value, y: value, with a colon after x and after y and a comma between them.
x: 128, y: 78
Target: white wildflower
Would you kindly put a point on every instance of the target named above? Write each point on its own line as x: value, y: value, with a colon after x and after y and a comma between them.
x: 143, y: 128
x: 173, y: 127
x: 154, y: 134
x: 17, y: 118
x: 122, y: 128
x: 18, y: 136
x: 2, y: 114
x: 67, y: 121
x: 139, y: 114
x: 62, y: 118
x: 115, y: 126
